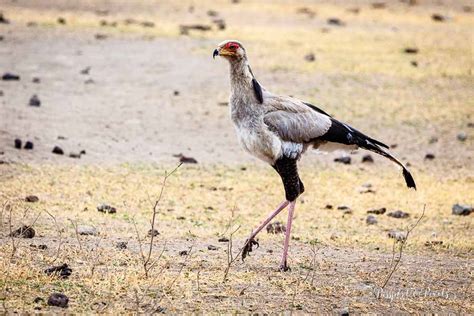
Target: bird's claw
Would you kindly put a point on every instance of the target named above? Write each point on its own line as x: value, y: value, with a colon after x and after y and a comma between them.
x: 284, y: 267
x: 248, y: 247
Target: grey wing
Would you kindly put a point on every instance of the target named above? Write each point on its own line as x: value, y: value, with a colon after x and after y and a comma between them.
x: 294, y: 121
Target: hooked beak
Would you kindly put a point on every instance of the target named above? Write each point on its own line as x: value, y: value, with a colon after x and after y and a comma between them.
x: 215, y: 53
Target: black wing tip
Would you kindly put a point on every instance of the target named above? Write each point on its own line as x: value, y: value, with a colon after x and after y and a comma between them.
x: 258, y: 90
x: 409, y: 179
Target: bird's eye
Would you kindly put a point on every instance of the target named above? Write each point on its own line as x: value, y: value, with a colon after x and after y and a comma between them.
x: 233, y: 46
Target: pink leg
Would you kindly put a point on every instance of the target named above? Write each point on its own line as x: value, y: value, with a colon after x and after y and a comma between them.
x: 249, y: 242
x: 283, y: 264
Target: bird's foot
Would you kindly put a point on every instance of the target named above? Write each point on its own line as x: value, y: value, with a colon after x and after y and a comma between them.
x: 284, y: 267
x: 248, y: 247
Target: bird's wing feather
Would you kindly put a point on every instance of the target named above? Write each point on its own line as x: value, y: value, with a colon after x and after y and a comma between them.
x: 294, y: 120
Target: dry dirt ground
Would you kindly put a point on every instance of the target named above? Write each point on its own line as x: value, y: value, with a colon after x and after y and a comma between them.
x: 150, y: 93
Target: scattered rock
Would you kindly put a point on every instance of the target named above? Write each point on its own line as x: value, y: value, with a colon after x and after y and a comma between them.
x: 36, y: 80
x: 398, y: 214
x: 378, y: 211
x: 344, y: 311
x: 18, y: 143
x: 10, y: 77
x: 100, y: 36
x: 75, y: 155
x: 310, y: 57
x: 378, y: 5
x: 344, y: 159
x: 61, y: 20
x: 328, y: 207
x: 153, y: 232
x: 23, y: 232
x: 467, y: 9
x: 211, y: 247
x: 429, y: 156
x: 63, y: 271
x: 34, y: 101
x: 58, y: 150
x: 459, y: 209
x: 335, y: 21
x: 414, y: 63
x: 306, y: 11
x: 184, y: 159
x: 87, y: 230
x: 121, y: 245
x: 89, y: 81
x: 462, y: 136
x: 181, y: 218
x: 371, y: 220
x: 38, y: 300
x: 82, y: 152
x: 31, y: 199
x: 365, y: 189
x: 276, y: 228
x: 433, y: 140
x: 41, y: 246
x: 224, y: 103
x: 220, y: 24
x: 212, y: 13
x: 223, y: 239
x: 175, y: 93
x: 410, y: 50
x: 105, y: 208
x: 3, y: 20
x: 59, y: 300
x: 397, y: 235
x: 184, y: 29
x: 85, y: 71
x: 367, y: 159
x: 183, y: 253
x: 147, y: 24
x: 343, y: 207
x: 438, y: 17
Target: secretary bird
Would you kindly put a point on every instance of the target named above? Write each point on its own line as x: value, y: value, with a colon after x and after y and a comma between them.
x: 279, y: 129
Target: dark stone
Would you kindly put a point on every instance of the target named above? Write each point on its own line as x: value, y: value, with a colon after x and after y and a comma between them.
x: 411, y: 50
x: 58, y: 299
x: 31, y: 198
x: 459, y: 209
x: 185, y: 159
x: 371, y: 220
x: 105, y: 208
x: 176, y: 93
x: 62, y: 271
x: 429, y: 156
x: 87, y: 230
x: 211, y: 247
x: 310, y: 57
x: 378, y: 211
x: 85, y: 71
x: 378, y: 5
x: 212, y: 13
x: 433, y: 243
x: 276, y: 228
x: 58, y: 150
x: 367, y: 159
x: 23, y: 232
x: 10, y: 77
x: 184, y: 29
x: 121, y: 245
x: 335, y: 21
x: 462, y: 136
x: 74, y: 155
x: 306, y: 11
x: 36, y: 80
x: 328, y: 207
x: 18, y: 143
x: 397, y: 235
x: 153, y: 232
x: 438, y: 17
x: 220, y: 24
x: 99, y: 36
x: 41, y: 247
x: 344, y: 311
x: 433, y: 140
x: 82, y: 152
x: 343, y: 207
x: 183, y: 253
x: 38, y: 300
x: 34, y: 101
x: 398, y: 214
x: 414, y: 63
x: 344, y: 159
x: 148, y: 24
x: 61, y: 20
x: 223, y: 239
x: 3, y: 20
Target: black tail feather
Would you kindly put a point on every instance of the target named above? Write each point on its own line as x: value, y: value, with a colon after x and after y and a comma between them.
x: 408, y: 178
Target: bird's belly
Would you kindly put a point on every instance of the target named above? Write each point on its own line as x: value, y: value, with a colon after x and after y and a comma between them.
x: 260, y: 143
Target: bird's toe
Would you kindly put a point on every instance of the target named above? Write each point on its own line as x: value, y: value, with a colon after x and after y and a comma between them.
x: 248, y: 247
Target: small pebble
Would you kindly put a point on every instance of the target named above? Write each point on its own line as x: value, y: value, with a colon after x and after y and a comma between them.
x: 462, y: 137
x: 429, y: 156
x: 183, y: 253
x: 223, y: 239
x: 344, y: 159
x: 398, y: 214
x: 63, y: 271
x: 276, y: 228
x: 310, y: 57
x: 211, y: 247
x: 36, y: 80
x: 61, y: 20
x: 87, y: 230
x: 121, y: 245
x: 377, y: 211
x: 411, y: 50
x: 58, y: 150
x: 153, y: 232
x: 58, y: 299
x: 74, y: 155
x: 371, y: 220
x: 28, y: 145
x: 23, y: 232
x: 459, y: 209
x: 397, y: 235
x: 34, y: 101
x: 105, y: 208
x: 438, y: 17
x: 31, y: 198
x: 367, y: 159
x: 18, y: 143
x: 10, y: 77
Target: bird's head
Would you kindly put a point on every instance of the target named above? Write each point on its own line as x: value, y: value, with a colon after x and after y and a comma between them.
x: 231, y: 50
